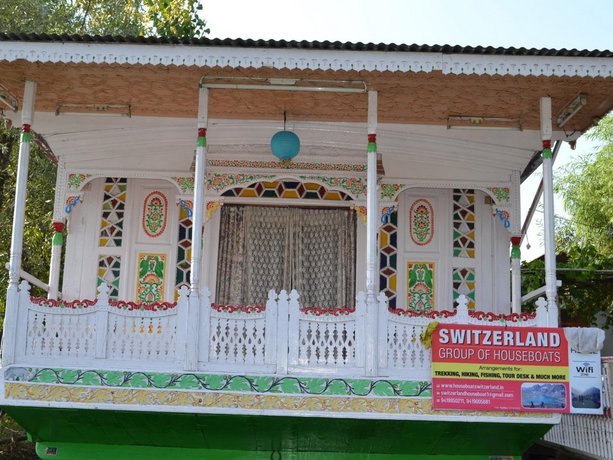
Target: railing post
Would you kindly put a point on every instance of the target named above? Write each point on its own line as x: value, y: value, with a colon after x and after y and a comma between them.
x: 203, y: 335
x: 16, y: 301
x: 196, y: 303
x: 360, y: 328
x: 182, y: 313
x: 372, y: 339
x: 283, y: 307
x: 542, y: 319
x: 461, y: 315
x: 273, y: 327
x: 382, y: 334
x: 102, y: 320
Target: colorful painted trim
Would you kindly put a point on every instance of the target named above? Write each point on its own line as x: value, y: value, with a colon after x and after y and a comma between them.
x: 372, y: 143
x: 502, y: 194
x: 211, y: 208
x: 546, y: 153
x: 515, y: 247
x: 261, y: 384
x: 238, y: 308
x: 478, y: 315
x: 236, y: 400
x: 220, y: 182
x: 355, y: 186
x: 155, y: 214
x: 287, y: 165
x: 362, y: 213
x: 493, y: 317
x: 185, y: 184
x: 287, y: 189
x: 133, y: 306
x: 319, y: 311
x: 73, y: 305
x: 26, y: 135
x: 76, y: 181
x: 389, y: 191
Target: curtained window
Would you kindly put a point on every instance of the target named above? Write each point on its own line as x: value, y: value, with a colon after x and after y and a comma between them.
x: 310, y: 250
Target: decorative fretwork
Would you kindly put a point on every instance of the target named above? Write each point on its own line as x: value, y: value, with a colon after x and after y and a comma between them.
x: 184, y: 250
x: 388, y: 258
x: 420, y: 286
x: 287, y: 189
x: 109, y: 269
x: 464, y: 223
x: 113, y: 212
x: 464, y: 283
x: 327, y: 344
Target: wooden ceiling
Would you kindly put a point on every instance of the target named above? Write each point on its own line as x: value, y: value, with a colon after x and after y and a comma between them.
x: 406, y: 98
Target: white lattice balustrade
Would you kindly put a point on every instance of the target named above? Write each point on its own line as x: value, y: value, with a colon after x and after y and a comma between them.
x: 138, y: 337
x: 325, y: 338
x: 279, y: 337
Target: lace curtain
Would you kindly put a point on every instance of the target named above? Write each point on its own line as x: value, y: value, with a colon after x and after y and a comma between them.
x: 310, y: 250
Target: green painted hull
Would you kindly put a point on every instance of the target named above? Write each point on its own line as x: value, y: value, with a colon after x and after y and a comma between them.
x: 100, y: 434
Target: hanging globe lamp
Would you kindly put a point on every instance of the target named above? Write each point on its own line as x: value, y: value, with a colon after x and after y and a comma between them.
x: 285, y: 145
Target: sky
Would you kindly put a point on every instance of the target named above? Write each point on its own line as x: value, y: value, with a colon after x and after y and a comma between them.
x: 580, y: 24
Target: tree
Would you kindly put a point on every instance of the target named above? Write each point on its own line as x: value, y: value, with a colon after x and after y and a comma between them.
x: 585, y: 240
x: 177, y: 18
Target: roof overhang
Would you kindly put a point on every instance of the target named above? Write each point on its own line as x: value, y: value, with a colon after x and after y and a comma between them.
x: 418, y: 92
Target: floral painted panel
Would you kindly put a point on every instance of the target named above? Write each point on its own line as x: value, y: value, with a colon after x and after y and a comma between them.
x: 420, y: 286
x: 155, y: 214
x: 150, y: 276
x: 421, y: 222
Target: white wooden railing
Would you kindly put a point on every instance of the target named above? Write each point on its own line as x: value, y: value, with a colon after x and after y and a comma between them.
x: 280, y: 337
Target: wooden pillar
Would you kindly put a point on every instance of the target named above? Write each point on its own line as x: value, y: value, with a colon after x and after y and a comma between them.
x: 27, y: 113
x: 372, y: 221
x: 193, y: 316
x: 57, y: 240
x: 516, y: 274
x: 12, y: 295
x: 550, y: 245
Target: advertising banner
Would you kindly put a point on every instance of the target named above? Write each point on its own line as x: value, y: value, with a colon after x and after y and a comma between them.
x: 585, y: 383
x: 493, y: 368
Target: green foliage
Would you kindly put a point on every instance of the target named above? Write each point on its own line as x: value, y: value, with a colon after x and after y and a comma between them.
x: 587, y: 189
x: 585, y: 241
x: 178, y: 18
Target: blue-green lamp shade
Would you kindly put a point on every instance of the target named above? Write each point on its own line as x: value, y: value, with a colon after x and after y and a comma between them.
x: 285, y: 145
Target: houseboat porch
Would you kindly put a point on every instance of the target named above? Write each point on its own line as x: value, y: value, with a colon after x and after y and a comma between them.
x: 223, y: 303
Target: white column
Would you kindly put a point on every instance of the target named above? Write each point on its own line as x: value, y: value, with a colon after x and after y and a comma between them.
x: 12, y: 294
x: 193, y: 325
x: 372, y: 221
x: 516, y: 274
x: 27, y: 113
x: 199, y: 188
x: 57, y: 241
x: 550, y: 245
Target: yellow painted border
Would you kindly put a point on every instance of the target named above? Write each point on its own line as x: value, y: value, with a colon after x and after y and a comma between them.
x: 18, y: 391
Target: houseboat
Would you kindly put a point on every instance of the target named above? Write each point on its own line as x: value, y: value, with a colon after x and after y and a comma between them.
x: 256, y: 242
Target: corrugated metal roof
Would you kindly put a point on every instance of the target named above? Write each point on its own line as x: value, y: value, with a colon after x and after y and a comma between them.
x: 304, y: 44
